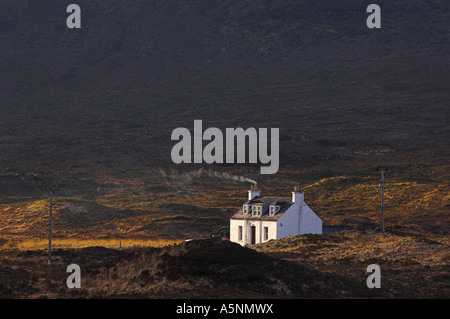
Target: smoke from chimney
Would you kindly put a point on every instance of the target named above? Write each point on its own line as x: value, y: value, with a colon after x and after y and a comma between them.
x: 189, y: 176
x: 229, y: 177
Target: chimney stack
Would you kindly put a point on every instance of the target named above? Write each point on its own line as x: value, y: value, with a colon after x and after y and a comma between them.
x: 253, y: 192
x: 297, y: 195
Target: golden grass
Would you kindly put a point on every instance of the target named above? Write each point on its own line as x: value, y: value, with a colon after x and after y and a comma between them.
x: 423, y: 249
x: 137, y: 208
x: 38, y: 244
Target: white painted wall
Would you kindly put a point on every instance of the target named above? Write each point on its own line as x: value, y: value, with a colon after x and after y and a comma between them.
x: 246, y: 228
x: 310, y: 223
x: 234, y: 231
x: 272, y: 230
x: 287, y: 224
x: 298, y: 219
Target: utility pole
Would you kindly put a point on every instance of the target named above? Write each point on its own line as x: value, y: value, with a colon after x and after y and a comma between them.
x: 52, y: 191
x: 382, y: 170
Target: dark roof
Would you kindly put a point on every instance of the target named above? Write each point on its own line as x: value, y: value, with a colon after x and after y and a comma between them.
x: 284, y: 202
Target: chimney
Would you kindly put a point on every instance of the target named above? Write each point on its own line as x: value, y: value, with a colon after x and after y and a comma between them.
x: 297, y: 195
x: 253, y: 192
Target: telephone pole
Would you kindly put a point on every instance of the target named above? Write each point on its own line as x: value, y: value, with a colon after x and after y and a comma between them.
x: 382, y: 170
x: 52, y: 191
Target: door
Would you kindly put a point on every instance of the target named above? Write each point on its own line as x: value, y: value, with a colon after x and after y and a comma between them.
x: 253, y: 235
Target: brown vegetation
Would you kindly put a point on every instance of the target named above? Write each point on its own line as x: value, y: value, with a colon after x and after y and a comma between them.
x: 93, y: 111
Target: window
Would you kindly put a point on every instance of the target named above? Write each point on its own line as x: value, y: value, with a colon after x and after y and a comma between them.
x: 240, y: 233
x: 246, y: 209
x: 273, y: 210
x: 257, y: 210
x: 266, y: 233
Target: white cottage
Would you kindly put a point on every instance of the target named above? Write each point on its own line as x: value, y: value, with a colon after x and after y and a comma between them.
x: 261, y: 219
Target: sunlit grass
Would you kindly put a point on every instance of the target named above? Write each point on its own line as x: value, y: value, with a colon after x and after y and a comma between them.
x: 171, y: 206
x: 41, y: 244
x: 360, y: 246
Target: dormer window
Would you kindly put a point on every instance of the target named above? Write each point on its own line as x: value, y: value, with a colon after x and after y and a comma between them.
x: 273, y: 210
x: 257, y: 210
x: 246, y: 209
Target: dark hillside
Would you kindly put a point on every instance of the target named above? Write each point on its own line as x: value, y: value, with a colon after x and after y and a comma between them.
x: 113, y: 91
x: 197, y: 269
